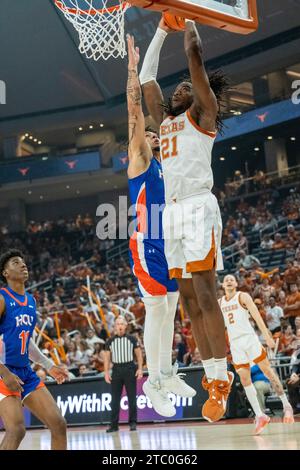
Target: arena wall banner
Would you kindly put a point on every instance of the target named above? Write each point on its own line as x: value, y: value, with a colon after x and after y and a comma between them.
x: 49, y: 167
x: 88, y: 401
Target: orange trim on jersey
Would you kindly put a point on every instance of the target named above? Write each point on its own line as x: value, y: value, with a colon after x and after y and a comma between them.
x: 22, y: 304
x: 241, y: 366
x: 141, y: 210
x: 200, y: 129
x: 150, y: 285
x: 5, y: 391
x: 206, y: 264
x: 40, y: 385
x: 262, y: 357
x: 175, y: 273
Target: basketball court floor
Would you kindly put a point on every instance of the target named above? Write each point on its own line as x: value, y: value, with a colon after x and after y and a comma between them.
x: 227, y: 435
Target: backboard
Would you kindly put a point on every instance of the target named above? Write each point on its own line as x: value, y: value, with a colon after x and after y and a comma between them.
x: 239, y: 16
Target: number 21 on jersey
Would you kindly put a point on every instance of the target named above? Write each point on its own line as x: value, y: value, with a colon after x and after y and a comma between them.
x: 169, y: 147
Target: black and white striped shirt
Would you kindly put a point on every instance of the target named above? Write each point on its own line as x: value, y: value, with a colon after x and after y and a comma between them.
x: 121, y: 348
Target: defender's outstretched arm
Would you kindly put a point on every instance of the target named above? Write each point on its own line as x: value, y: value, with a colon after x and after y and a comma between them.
x: 138, y: 149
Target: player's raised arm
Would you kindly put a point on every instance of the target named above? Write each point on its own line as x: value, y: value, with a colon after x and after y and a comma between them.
x: 247, y: 302
x: 138, y: 148
x: 151, y: 90
x: 205, y: 106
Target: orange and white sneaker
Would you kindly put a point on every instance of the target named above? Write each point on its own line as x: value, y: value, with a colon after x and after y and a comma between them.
x: 288, y: 415
x: 206, y: 384
x: 215, y: 407
x: 260, y: 423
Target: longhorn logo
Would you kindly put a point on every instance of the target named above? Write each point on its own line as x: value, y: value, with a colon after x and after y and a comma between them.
x: 71, y: 164
x: 262, y: 117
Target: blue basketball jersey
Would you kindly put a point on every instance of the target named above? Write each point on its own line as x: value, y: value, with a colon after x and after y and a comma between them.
x: 147, y: 192
x: 16, y: 326
x: 146, y: 246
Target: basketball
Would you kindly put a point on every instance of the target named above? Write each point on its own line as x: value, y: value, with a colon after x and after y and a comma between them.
x: 177, y: 23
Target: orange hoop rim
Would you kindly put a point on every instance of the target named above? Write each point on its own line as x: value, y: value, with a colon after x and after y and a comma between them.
x: 74, y: 11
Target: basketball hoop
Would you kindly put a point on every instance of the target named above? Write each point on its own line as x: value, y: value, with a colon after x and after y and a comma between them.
x: 101, y: 31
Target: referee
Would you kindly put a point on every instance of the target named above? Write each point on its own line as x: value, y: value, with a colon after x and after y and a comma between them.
x: 120, y: 351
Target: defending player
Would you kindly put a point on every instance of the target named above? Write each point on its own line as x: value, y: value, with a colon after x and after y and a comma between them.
x: 159, y: 293
x: 192, y: 221
x: 246, y: 348
x: 19, y: 384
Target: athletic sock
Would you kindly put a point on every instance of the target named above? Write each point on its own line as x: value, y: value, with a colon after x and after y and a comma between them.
x: 284, y: 400
x: 209, y: 367
x: 252, y: 397
x: 221, y: 369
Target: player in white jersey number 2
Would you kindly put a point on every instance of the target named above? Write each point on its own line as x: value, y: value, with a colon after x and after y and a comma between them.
x: 246, y: 348
x: 191, y: 220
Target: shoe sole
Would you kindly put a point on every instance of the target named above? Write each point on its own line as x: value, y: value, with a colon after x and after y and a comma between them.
x: 180, y: 394
x: 257, y: 433
x: 155, y: 409
x: 231, y: 375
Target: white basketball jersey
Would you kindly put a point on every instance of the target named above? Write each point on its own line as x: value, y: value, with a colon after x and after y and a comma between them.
x: 236, y: 317
x: 186, y: 151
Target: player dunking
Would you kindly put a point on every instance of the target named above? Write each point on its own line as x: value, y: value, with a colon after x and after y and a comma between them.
x: 18, y: 383
x: 192, y: 221
x: 246, y: 348
x: 159, y: 293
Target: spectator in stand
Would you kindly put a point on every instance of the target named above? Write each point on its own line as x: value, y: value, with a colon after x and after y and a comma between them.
x: 292, y: 308
x: 196, y: 359
x: 175, y: 359
x: 109, y: 316
x: 44, y: 318
x: 100, y: 330
x: 273, y: 315
x: 285, y: 341
x: 297, y: 257
x: 74, y: 355
x: 97, y: 359
x: 259, y: 224
x: 82, y: 370
x: 277, y: 282
x: 138, y: 309
x: 66, y: 319
x: 267, y: 242
x: 180, y: 346
x: 291, y: 273
x: 293, y: 238
x: 242, y: 242
x: 92, y: 339
x: 86, y: 352
x: 264, y: 290
x: 248, y: 261
x: 100, y: 291
x: 293, y: 384
x: 279, y: 243
x: 126, y: 301
x: 281, y: 299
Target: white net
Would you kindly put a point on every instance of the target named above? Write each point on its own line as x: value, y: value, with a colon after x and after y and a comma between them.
x: 100, y: 30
